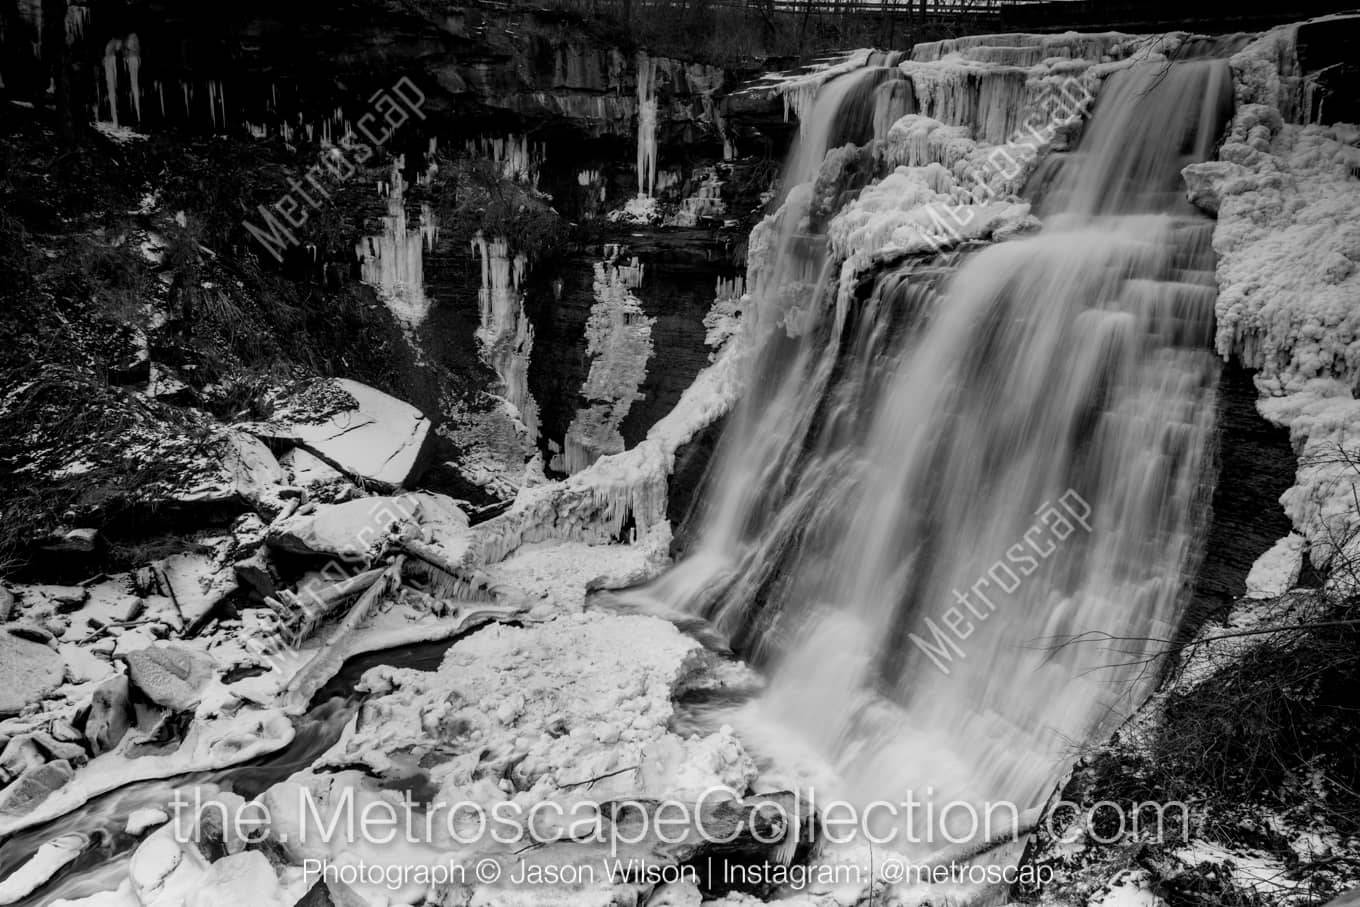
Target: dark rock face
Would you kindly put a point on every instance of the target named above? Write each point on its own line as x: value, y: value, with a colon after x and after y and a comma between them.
x: 1256, y: 466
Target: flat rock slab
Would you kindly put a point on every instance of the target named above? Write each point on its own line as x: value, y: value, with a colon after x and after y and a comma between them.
x: 359, y: 430
x: 29, y: 671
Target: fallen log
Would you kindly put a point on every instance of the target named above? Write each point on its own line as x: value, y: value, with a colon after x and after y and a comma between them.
x: 327, y: 661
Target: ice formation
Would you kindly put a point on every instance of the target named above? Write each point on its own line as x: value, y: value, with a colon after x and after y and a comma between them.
x: 646, y: 125
x: 705, y: 202
x: 506, y: 335
x: 606, y: 681
x: 619, y: 344
x: 393, y: 262
x: 1289, y: 274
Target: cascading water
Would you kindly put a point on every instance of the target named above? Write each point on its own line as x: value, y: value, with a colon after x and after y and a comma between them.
x: 925, y: 494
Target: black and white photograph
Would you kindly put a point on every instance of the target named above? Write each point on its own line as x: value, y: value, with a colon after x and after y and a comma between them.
x: 679, y: 453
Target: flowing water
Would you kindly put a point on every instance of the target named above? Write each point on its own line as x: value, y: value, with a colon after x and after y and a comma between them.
x: 946, y: 519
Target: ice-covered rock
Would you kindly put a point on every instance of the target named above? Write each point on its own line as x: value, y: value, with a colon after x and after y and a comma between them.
x: 50, y: 859
x: 140, y: 821
x: 28, y: 671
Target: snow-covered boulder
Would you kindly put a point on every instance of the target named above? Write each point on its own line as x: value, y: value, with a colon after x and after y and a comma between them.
x: 111, y: 715
x: 171, y: 676
x: 357, y: 530
x: 29, y: 671
x: 34, y: 786
x: 358, y: 430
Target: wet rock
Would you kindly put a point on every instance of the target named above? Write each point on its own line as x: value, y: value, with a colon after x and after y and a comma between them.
x: 257, y: 574
x: 33, y: 787
x: 170, y: 676
x: 111, y: 715
x: 29, y: 671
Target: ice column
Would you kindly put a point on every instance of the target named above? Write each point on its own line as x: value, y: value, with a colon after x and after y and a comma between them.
x: 506, y: 336
x: 619, y: 343
x: 646, y: 147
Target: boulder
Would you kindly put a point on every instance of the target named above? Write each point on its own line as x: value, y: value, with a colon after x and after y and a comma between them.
x: 362, y: 432
x: 29, y: 671
x: 111, y: 715
x: 140, y: 821
x: 33, y: 787
x: 255, y: 475
x: 170, y: 676
x: 356, y: 530
x: 6, y: 603
x: 257, y: 574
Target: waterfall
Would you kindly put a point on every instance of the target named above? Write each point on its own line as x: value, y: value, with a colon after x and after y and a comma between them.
x: 927, y: 491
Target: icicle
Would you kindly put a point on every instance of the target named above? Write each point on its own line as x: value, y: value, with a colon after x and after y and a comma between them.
x: 132, y: 54
x: 111, y: 52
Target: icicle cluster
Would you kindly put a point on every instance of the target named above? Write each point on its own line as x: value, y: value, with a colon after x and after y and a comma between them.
x: 506, y: 336
x: 393, y: 262
x: 128, y: 51
x: 517, y: 157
